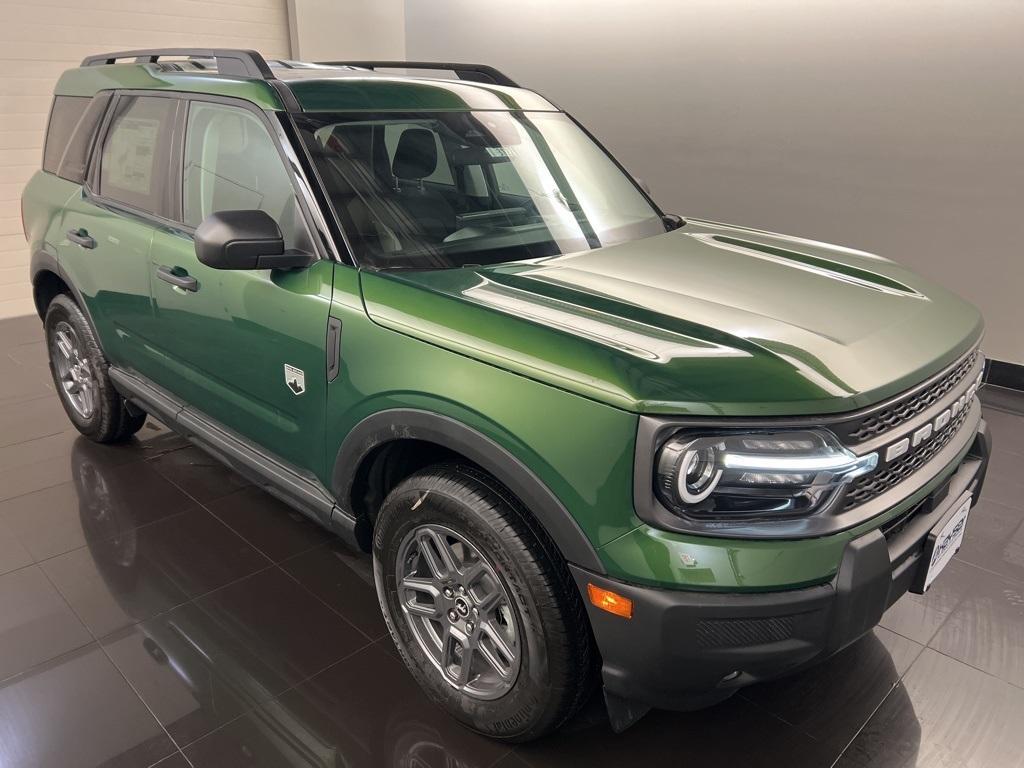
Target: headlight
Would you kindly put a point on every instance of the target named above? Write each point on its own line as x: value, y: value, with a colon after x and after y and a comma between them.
x: 734, y: 475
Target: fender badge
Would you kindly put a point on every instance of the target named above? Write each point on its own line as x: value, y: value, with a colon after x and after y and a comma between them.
x: 295, y: 378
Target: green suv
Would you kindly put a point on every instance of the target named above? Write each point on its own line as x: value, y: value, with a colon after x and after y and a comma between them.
x: 585, y: 441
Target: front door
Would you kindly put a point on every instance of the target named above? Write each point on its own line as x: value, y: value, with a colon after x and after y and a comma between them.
x: 245, y: 347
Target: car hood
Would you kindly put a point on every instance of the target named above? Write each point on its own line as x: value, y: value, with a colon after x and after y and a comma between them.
x: 708, y: 319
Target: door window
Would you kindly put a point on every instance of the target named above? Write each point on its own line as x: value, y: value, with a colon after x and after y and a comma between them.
x: 232, y: 164
x: 136, y: 153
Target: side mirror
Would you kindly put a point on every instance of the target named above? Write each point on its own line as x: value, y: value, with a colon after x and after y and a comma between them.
x: 245, y: 240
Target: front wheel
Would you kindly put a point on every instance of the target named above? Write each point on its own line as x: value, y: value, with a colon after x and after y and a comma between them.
x: 481, y: 606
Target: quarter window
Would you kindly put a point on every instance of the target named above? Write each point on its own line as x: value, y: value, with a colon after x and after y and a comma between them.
x: 136, y: 153
x: 64, y: 116
x: 232, y: 164
x: 76, y: 157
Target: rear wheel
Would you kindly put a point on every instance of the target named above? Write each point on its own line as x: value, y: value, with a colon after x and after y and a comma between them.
x: 480, y: 604
x: 79, y: 372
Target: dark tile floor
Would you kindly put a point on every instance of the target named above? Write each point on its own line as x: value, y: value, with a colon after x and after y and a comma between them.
x: 156, y: 609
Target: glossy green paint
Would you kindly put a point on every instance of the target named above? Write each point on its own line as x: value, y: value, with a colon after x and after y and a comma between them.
x: 42, y: 201
x: 581, y: 449
x: 113, y: 277
x: 552, y: 359
x: 223, y: 347
x: 706, y: 320
x: 380, y: 93
x: 346, y: 91
x: 86, y: 81
x: 650, y: 556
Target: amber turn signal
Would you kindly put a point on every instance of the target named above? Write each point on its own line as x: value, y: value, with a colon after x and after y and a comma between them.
x: 609, y: 601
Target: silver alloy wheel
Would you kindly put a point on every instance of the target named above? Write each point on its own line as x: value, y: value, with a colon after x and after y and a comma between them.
x: 74, y: 373
x: 459, y: 611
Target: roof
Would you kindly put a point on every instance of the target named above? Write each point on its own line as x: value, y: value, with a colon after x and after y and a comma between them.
x: 305, y: 86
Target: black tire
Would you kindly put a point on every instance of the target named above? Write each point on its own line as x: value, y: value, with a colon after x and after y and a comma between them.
x: 108, y: 420
x: 556, y: 657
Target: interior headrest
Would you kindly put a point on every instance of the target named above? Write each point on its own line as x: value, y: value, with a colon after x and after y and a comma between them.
x: 416, y: 154
x: 229, y: 131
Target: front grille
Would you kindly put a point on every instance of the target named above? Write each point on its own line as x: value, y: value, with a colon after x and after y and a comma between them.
x: 733, y: 633
x: 904, y: 409
x: 867, y: 487
x: 898, y: 524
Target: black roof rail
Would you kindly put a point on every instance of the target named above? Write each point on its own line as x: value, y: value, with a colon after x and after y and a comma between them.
x: 479, y: 73
x: 234, y: 62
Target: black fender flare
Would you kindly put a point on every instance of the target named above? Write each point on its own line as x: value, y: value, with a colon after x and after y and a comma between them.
x: 406, y: 423
x: 43, y: 261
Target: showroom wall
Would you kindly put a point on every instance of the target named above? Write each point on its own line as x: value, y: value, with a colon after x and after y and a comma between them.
x: 41, y: 38
x: 889, y: 125
x: 353, y: 30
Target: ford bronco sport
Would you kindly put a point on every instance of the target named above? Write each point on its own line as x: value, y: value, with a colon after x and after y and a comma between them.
x: 584, y: 440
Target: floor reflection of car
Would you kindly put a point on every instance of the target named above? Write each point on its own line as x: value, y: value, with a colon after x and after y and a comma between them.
x: 207, y: 661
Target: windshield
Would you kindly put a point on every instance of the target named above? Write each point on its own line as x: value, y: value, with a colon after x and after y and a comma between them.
x: 448, y: 189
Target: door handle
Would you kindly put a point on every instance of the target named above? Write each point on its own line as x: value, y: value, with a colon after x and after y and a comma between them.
x: 185, y: 282
x: 81, y: 237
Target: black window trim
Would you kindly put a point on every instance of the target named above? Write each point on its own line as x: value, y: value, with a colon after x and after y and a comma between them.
x: 323, y: 241
x: 109, y: 96
x: 91, y: 183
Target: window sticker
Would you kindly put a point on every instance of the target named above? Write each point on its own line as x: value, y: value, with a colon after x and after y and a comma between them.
x: 130, y: 152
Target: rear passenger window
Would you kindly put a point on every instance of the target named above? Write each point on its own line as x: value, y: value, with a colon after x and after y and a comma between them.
x: 135, y: 160
x: 232, y: 164
x: 64, y: 116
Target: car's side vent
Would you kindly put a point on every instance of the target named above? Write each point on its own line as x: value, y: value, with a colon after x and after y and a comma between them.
x: 731, y: 633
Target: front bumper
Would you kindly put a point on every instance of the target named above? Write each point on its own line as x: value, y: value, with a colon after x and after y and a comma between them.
x: 686, y: 649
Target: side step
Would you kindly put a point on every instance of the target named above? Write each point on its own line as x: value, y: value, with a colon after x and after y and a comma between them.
x: 294, y: 487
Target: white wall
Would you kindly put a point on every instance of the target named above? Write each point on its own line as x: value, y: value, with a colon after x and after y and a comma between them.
x: 350, y: 30
x: 891, y: 125
x: 39, y: 39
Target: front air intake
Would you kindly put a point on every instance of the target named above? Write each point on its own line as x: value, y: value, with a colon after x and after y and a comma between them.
x: 733, y: 633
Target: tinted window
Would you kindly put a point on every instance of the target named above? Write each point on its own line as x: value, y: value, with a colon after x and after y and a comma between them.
x: 442, y: 173
x: 76, y: 157
x: 232, y: 164
x: 64, y: 116
x: 517, y: 185
x: 507, y: 180
x: 136, y: 153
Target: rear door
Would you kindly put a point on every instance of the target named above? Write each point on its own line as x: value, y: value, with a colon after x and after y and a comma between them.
x: 246, y: 347
x: 109, y: 227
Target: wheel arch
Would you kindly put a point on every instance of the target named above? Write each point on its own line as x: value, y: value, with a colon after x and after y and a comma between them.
x: 453, y: 439
x: 48, y: 281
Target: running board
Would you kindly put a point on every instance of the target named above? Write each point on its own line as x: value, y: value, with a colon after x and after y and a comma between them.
x: 295, y: 488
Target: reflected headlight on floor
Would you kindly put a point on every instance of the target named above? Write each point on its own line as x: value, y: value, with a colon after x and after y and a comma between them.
x: 733, y: 475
